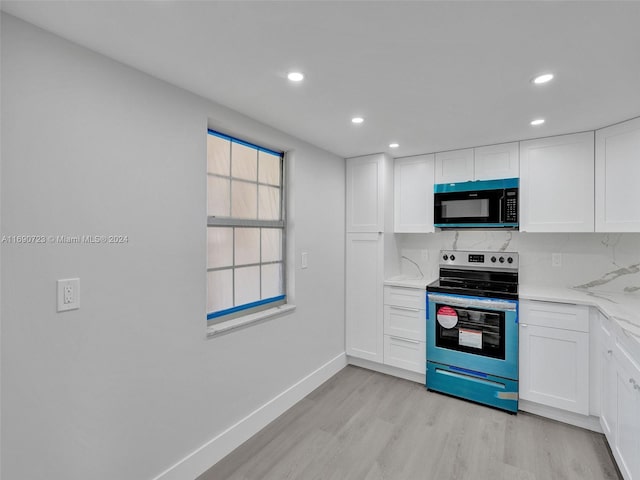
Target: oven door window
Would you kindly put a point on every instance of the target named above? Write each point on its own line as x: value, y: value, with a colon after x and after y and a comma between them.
x: 470, y: 330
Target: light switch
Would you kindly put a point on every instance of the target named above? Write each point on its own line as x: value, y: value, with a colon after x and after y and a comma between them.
x: 68, y: 294
x: 303, y: 260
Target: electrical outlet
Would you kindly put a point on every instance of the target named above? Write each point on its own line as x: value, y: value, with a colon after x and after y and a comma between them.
x: 68, y: 294
x: 556, y: 259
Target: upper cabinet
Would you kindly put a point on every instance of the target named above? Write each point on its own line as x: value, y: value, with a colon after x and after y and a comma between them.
x: 618, y: 177
x: 497, y: 161
x: 557, y: 184
x: 413, y: 194
x: 368, y: 178
x: 454, y: 166
x: 481, y: 163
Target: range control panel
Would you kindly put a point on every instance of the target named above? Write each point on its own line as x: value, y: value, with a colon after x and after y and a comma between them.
x: 479, y: 260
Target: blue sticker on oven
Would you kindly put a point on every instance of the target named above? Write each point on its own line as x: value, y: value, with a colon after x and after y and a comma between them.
x: 447, y: 317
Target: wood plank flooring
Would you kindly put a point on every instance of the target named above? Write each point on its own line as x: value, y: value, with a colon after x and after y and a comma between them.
x: 364, y: 425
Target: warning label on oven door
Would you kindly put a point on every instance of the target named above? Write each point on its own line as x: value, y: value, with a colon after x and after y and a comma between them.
x: 469, y: 338
x: 447, y: 317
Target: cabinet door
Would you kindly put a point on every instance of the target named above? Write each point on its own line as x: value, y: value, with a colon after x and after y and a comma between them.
x: 413, y: 194
x: 405, y: 322
x: 608, y: 400
x: 365, y: 194
x: 556, y: 184
x: 627, y: 438
x: 454, y: 166
x: 403, y: 353
x: 364, y: 295
x: 618, y: 177
x: 554, y: 367
x: 497, y: 161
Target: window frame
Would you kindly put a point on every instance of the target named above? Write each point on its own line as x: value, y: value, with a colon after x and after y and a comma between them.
x: 279, y: 302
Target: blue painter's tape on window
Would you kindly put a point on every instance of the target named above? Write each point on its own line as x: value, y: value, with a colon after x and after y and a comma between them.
x: 246, y: 306
x: 242, y: 142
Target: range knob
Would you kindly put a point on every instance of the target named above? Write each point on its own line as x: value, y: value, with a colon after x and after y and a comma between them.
x: 501, y: 259
x: 493, y: 259
x: 509, y: 260
x: 452, y: 257
x: 445, y: 257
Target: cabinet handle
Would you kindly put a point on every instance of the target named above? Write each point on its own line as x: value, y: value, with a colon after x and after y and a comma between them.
x: 408, y: 309
x: 414, y: 342
x: 524, y: 325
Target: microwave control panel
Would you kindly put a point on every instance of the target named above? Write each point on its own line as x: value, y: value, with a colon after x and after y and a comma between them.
x: 511, y: 205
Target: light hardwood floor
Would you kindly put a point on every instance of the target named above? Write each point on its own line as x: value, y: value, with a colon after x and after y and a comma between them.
x: 364, y: 425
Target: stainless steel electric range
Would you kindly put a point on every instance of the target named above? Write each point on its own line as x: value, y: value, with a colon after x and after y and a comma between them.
x: 472, y: 328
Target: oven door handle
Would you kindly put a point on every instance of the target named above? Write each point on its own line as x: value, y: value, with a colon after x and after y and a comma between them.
x: 477, y: 303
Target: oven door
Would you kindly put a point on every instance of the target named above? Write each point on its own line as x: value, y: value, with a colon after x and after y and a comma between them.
x: 473, y: 333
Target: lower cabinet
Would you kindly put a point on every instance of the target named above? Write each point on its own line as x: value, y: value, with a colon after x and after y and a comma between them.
x: 404, y: 328
x: 554, y: 355
x: 608, y: 408
x: 404, y: 353
x: 626, y: 436
x: 364, y: 296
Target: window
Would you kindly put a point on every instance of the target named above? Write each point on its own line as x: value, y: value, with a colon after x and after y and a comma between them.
x: 245, y: 228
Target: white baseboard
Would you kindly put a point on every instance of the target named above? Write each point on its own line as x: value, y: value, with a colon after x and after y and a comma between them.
x: 200, y: 460
x: 387, y: 369
x: 588, y: 422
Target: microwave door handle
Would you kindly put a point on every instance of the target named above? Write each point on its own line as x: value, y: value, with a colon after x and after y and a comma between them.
x: 500, y: 218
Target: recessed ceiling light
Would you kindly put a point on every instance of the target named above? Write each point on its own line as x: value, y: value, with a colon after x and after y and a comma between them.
x: 357, y: 120
x: 394, y: 145
x: 540, y: 79
x: 295, y: 76
x: 537, y: 121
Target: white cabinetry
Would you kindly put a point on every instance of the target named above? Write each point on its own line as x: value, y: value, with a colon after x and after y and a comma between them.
x: 481, y: 163
x: 554, y: 355
x: 404, y: 328
x: 369, y: 212
x: 413, y: 194
x: 621, y: 423
x: 608, y: 415
x: 364, y: 295
x: 366, y: 193
x: 618, y: 177
x: 627, y: 436
x: 497, y: 161
x: 557, y: 184
x: 454, y: 166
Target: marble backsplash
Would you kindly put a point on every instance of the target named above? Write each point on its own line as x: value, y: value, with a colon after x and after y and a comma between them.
x: 594, y: 261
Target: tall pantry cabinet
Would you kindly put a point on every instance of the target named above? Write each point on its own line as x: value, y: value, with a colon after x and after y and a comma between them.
x: 369, y: 244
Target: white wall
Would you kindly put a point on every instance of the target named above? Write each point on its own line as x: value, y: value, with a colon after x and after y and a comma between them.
x: 598, y: 261
x: 128, y: 385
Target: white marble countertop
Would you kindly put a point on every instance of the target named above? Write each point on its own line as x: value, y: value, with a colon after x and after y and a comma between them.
x: 623, y: 308
x: 408, y: 282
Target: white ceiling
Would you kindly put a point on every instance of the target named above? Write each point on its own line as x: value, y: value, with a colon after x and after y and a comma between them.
x: 430, y: 75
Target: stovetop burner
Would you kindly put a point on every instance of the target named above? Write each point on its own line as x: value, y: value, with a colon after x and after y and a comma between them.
x: 479, y: 274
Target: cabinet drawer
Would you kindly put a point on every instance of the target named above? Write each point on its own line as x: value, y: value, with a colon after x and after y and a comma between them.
x: 405, y: 322
x: 403, y: 353
x: 405, y: 297
x: 555, y: 315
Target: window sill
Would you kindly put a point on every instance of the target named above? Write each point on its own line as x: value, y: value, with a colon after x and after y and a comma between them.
x: 241, y: 322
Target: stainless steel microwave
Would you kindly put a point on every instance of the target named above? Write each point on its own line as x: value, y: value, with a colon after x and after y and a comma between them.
x: 483, y: 203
